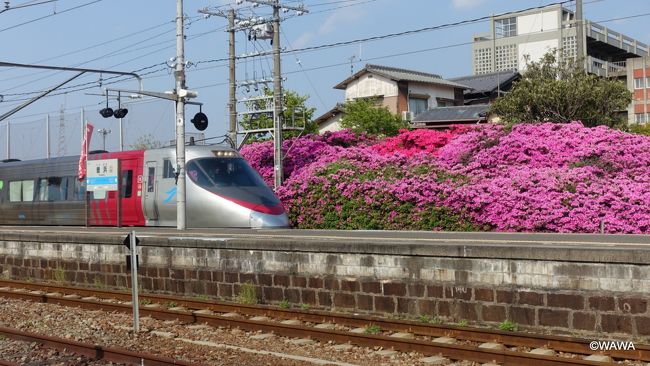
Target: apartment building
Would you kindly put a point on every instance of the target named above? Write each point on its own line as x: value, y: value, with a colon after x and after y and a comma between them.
x: 535, y: 32
x: 638, y: 81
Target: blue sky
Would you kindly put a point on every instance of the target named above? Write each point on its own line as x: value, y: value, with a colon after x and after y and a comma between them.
x: 131, y: 35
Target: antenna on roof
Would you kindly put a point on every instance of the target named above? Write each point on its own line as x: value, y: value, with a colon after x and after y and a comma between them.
x: 352, y: 59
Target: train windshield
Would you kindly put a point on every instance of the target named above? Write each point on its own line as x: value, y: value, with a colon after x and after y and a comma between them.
x: 232, y: 178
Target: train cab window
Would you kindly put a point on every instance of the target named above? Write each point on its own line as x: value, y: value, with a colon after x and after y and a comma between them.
x: 53, y: 189
x: 21, y: 191
x: 168, y: 169
x: 223, y: 172
x: 127, y: 183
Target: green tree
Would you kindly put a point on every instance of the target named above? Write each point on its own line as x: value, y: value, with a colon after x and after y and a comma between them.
x: 146, y: 142
x: 296, y: 113
x: 364, y: 115
x: 559, y: 91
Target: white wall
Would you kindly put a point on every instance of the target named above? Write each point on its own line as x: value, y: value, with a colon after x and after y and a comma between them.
x: 435, y: 91
x: 333, y: 124
x: 370, y: 85
x: 536, y: 50
x: 536, y: 23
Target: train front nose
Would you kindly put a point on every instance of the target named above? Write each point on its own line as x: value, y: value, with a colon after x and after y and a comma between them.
x: 260, y: 220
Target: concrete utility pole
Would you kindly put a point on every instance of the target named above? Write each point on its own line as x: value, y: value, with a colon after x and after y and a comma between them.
x: 180, y: 119
x: 232, y: 101
x: 580, y: 45
x: 277, y: 99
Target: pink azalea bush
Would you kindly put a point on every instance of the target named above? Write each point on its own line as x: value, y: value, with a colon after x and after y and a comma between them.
x: 543, y: 177
x: 300, y: 152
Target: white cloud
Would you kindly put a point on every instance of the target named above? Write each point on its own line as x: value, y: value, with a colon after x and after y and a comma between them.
x: 339, y: 18
x: 466, y: 4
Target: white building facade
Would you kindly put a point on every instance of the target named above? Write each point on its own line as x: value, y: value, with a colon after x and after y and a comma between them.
x: 516, y: 36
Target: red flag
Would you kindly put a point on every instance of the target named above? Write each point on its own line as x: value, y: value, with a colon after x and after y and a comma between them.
x: 84, y: 151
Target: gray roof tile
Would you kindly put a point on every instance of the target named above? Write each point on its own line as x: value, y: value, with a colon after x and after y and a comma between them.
x: 398, y: 74
x: 456, y: 113
x: 486, y: 82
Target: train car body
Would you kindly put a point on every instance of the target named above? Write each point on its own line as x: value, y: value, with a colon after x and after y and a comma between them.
x: 222, y: 190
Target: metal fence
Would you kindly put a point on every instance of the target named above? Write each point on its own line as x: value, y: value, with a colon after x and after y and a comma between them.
x: 60, y: 134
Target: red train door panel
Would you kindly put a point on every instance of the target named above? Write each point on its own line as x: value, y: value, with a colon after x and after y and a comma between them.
x: 103, y: 208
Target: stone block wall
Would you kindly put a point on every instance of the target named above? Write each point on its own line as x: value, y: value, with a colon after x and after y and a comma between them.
x: 558, y: 295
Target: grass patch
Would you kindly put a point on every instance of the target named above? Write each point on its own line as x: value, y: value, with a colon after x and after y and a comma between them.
x: 508, y: 326
x: 462, y: 323
x: 284, y: 304
x: 372, y: 329
x: 59, y: 275
x: 247, y: 294
x: 429, y: 319
x: 304, y: 307
x: 203, y: 297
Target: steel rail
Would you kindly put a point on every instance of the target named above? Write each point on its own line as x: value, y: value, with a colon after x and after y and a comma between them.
x: 454, y: 351
x: 111, y: 354
x: 557, y: 343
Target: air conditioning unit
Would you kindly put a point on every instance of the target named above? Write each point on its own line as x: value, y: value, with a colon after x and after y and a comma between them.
x: 407, y: 116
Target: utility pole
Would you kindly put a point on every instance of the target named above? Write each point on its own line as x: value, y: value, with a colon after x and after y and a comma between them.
x: 278, y: 177
x: 580, y: 46
x: 179, y: 73
x: 232, y: 103
x: 259, y: 31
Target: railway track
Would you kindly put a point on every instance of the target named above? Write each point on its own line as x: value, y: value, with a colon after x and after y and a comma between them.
x: 92, y: 351
x: 478, y: 345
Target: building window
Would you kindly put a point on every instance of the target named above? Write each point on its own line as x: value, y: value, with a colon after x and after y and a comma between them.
x: 638, y: 83
x: 647, y: 82
x: 640, y: 118
x: 417, y: 105
x: 506, y: 27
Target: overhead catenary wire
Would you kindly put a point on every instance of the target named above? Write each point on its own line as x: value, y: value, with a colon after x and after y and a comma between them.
x: 338, y: 44
x: 50, y: 15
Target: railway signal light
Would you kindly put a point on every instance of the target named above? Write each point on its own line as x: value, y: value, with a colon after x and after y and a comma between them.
x: 106, y: 112
x: 118, y: 113
x: 200, y: 121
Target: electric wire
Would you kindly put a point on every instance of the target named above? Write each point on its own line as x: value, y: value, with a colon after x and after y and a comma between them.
x: 50, y: 15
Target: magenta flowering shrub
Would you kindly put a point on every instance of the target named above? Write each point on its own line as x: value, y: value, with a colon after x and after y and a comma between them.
x: 365, y: 190
x: 536, y: 177
x: 300, y: 152
x: 414, y: 142
x: 552, y: 177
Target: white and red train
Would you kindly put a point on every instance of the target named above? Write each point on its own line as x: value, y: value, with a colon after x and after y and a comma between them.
x: 222, y: 190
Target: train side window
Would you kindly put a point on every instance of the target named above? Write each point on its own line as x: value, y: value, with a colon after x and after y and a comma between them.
x: 151, y: 177
x: 127, y: 183
x: 168, y: 169
x: 15, y: 191
x: 21, y: 191
x: 79, y: 190
x: 52, y: 189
